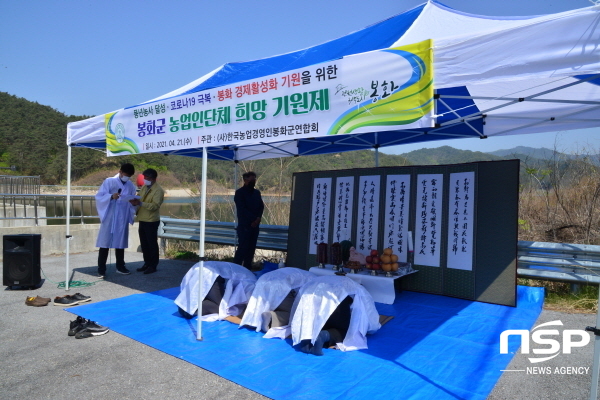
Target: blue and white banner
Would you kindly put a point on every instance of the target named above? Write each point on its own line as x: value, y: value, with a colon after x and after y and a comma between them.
x: 359, y: 93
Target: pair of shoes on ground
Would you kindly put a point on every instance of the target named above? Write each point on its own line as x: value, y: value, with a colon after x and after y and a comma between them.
x: 146, y: 270
x: 71, y: 300
x: 83, y: 328
x: 37, y: 301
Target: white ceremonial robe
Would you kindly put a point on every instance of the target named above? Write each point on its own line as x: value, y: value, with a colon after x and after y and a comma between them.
x: 270, y: 290
x: 319, y: 298
x: 239, y: 284
x: 114, y: 214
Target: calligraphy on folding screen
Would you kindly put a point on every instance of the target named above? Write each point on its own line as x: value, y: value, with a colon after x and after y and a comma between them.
x: 320, y: 215
x: 368, y: 213
x: 428, y: 223
x: 344, y: 201
x: 461, y: 211
x: 396, y: 217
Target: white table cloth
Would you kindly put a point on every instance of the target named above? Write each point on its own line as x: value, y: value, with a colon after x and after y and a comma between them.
x: 380, y: 287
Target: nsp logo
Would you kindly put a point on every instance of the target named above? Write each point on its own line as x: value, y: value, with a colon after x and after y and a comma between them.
x: 537, y: 335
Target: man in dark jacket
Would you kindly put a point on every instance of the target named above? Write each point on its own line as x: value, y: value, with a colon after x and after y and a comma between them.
x: 249, y: 206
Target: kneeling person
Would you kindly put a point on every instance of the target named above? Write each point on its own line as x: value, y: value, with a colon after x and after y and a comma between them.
x: 272, y: 299
x: 333, y: 310
x: 226, y: 288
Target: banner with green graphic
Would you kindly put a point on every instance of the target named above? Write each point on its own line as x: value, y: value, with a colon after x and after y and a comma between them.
x: 377, y: 91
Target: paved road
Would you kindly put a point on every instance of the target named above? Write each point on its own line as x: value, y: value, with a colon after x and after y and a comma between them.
x: 39, y: 360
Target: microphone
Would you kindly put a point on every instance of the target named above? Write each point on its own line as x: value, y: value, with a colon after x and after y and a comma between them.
x: 119, y: 191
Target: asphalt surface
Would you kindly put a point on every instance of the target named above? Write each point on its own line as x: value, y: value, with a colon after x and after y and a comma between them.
x: 39, y: 360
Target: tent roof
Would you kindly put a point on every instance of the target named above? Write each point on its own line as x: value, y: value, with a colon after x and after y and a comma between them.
x: 493, y: 76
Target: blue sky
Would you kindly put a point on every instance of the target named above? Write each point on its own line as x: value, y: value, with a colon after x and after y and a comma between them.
x: 93, y: 57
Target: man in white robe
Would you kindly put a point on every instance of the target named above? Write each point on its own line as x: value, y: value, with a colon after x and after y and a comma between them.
x: 271, y: 303
x: 238, y: 286
x: 115, y: 211
x: 325, y: 301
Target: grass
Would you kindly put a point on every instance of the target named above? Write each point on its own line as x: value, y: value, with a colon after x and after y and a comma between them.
x: 188, y: 250
x: 561, y: 297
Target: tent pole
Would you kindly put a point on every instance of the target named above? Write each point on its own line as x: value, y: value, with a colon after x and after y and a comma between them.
x: 68, y: 234
x: 202, y: 234
x: 376, y: 156
x: 595, y: 365
x: 235, y: 182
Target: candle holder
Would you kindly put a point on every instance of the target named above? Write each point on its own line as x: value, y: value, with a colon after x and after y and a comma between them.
x: 322, y: 254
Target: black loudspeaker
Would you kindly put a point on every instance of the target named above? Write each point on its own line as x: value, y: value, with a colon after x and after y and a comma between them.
x: 21, y: 260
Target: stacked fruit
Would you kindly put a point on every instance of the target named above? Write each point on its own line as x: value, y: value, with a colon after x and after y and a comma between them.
x: 387, y: 262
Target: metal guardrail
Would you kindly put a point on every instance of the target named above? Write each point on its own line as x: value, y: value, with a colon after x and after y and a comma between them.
x: 564, y: 262
x: 19, y: 184
x: 27, y: 207
x: 270, y: 237
x: 573, y: 263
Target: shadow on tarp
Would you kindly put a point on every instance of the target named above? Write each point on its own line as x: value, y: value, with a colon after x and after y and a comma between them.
x: 435, y: 346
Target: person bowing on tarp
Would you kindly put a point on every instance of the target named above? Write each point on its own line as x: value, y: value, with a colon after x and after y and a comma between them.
x: 226, y: 288
x: 271, y: 302
x: 333, y: 311
x: 115, y: 212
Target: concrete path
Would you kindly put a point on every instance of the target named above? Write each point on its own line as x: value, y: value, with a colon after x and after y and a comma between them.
x: 39, y: 360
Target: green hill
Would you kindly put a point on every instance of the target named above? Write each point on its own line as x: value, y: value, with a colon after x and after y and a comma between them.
x: 447, y: 155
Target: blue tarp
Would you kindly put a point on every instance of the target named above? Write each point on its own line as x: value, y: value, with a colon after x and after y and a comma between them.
x: 434, y: 347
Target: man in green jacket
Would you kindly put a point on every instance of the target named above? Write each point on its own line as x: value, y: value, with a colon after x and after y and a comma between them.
x: 148, y: 214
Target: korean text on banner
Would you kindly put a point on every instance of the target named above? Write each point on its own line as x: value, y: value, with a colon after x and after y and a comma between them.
x: 391, y: 88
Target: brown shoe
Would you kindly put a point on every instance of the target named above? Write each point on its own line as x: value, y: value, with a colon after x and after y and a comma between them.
x: 37, y: 301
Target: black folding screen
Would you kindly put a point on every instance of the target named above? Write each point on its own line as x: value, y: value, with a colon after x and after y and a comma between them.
x: 457, y: 223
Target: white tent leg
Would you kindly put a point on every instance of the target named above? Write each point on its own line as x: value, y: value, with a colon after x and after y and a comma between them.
x: 68, y: 234
x: 235, y: 183
x: 596, y: 364
x: 202, y: 233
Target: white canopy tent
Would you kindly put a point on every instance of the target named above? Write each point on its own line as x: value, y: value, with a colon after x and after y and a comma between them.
x: 492, y: 76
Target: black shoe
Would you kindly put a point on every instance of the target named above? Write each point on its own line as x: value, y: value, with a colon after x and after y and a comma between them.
x: 123, y: 271
x: 86, y: 334
x: 95, y: 328
x: 76, y: 326
x: 142, y: 268
x: 81, y: 298
x: 66, y: 301
x: 149, y: 271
